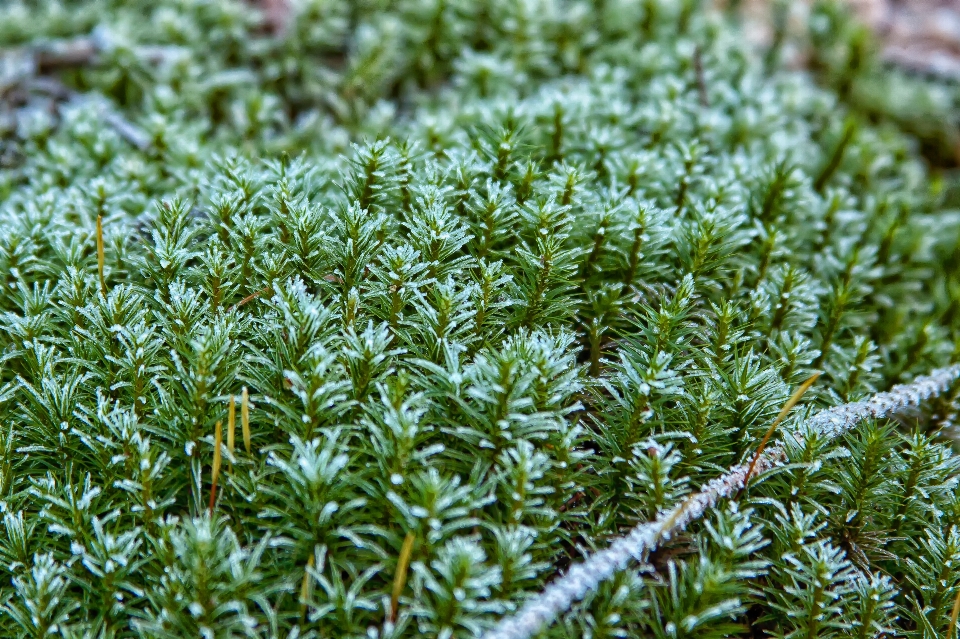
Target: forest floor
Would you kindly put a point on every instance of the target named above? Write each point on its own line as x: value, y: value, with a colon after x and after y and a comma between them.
x: 917, y: 35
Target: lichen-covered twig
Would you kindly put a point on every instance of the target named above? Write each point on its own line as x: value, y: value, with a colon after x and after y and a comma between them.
x: 133, y: 134
x: 897, y: 400
x: 26, y: 71
x: 130, y: 132
x: 47, y: 57
x: 586, y: 576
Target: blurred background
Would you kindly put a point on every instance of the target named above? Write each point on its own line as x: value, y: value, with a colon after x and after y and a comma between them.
x: 168, y: 76
x: 892, y: 59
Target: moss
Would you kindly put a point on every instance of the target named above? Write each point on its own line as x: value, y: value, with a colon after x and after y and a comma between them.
x: 506, y: 276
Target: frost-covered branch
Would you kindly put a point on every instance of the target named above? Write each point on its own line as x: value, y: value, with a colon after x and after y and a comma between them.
x: 588, y: 575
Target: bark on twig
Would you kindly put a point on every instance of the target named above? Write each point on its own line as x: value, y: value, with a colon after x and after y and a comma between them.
x: 587, y: 576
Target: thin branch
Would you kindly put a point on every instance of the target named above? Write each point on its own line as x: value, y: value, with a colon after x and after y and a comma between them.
x: 49, y: 56
x: 586, y: 576
x: 701, y: 77
x: 57, y: 90
x: 59, y: 54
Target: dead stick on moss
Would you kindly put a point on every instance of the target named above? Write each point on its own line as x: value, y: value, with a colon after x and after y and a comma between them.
x: 586, y: 576
x: 53, y: 55
x: 60, y: 54
x: 129, y: 132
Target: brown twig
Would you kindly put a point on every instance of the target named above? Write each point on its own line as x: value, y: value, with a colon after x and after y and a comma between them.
x: 53, y: 55
x: 51, y: 87
x: 701, y: 77
x: 59, y: 54
x: 128, y: 131
x: 32, y: 64
x: 573, y: 501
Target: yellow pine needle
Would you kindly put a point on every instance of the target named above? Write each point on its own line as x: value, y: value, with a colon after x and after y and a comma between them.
x: 231, y: 424
x: 804, y: 387
x: 100, y: 258
x: 668, y: 525
x: 217, y: 441
x: 245, y: 418
x: 951, y: 631
x: 400, y: 579
x: 305, y: 588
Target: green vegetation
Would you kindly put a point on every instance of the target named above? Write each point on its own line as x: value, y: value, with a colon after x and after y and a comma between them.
x: 500, y: 277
